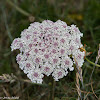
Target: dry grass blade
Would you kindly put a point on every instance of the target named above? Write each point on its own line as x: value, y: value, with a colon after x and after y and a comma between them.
x: 86, y: 95
x: 6, y: 92
x: 78, y: 77
x: 8, y: 78
x: 78, y: 85
x: 79, y: 71
x: 93, y: 91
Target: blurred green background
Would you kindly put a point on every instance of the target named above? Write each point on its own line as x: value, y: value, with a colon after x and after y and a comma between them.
x: 84, y: 13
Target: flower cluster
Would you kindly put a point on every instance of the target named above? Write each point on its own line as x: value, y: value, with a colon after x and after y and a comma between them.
x: 48, y: 48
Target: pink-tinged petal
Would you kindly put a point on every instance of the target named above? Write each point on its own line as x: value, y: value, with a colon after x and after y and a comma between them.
x: 35, y: 74
x: 27, y: 54
x: 46, y: 56
x: 62, y: 51
x: 43, y: 50
x: 55, y: 44
x: 36, y: 50
x: 55, y: 34
x: 41, y: 27
x: 71, y: 47
x: 49, y: 35
x: 55, y: 61
x: 35, y: 39
x: 19, y: 59
x: 67, y: 62
x: 53, y: 51
x: 37, y: 60
x: 77, y: 40
x: 21, y: 44
x: 55, y: 28
x: 34, y: 44
x: 47, y: 46
x: 30, y: 45
x: 28, y: 65
x: 64, y: 26
x: 41, y: 34
x: 24, y: 30
x: 67, y: 34
x: 34, y: 32
x: 79, y: 56
x: 47, y: 28
x: 59, y: 74
x: 76, y: 29
x: 28, y: 37
x: 40, y: 44
x: 15, y: 41
x: 62, y: 40
x: 47, y: 69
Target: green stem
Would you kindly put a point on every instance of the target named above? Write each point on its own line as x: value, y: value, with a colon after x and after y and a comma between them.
x: 19, y: 9
x: 92, y: 62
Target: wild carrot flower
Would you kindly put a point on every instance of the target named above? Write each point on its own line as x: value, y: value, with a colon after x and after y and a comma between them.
x: 48, y: 48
